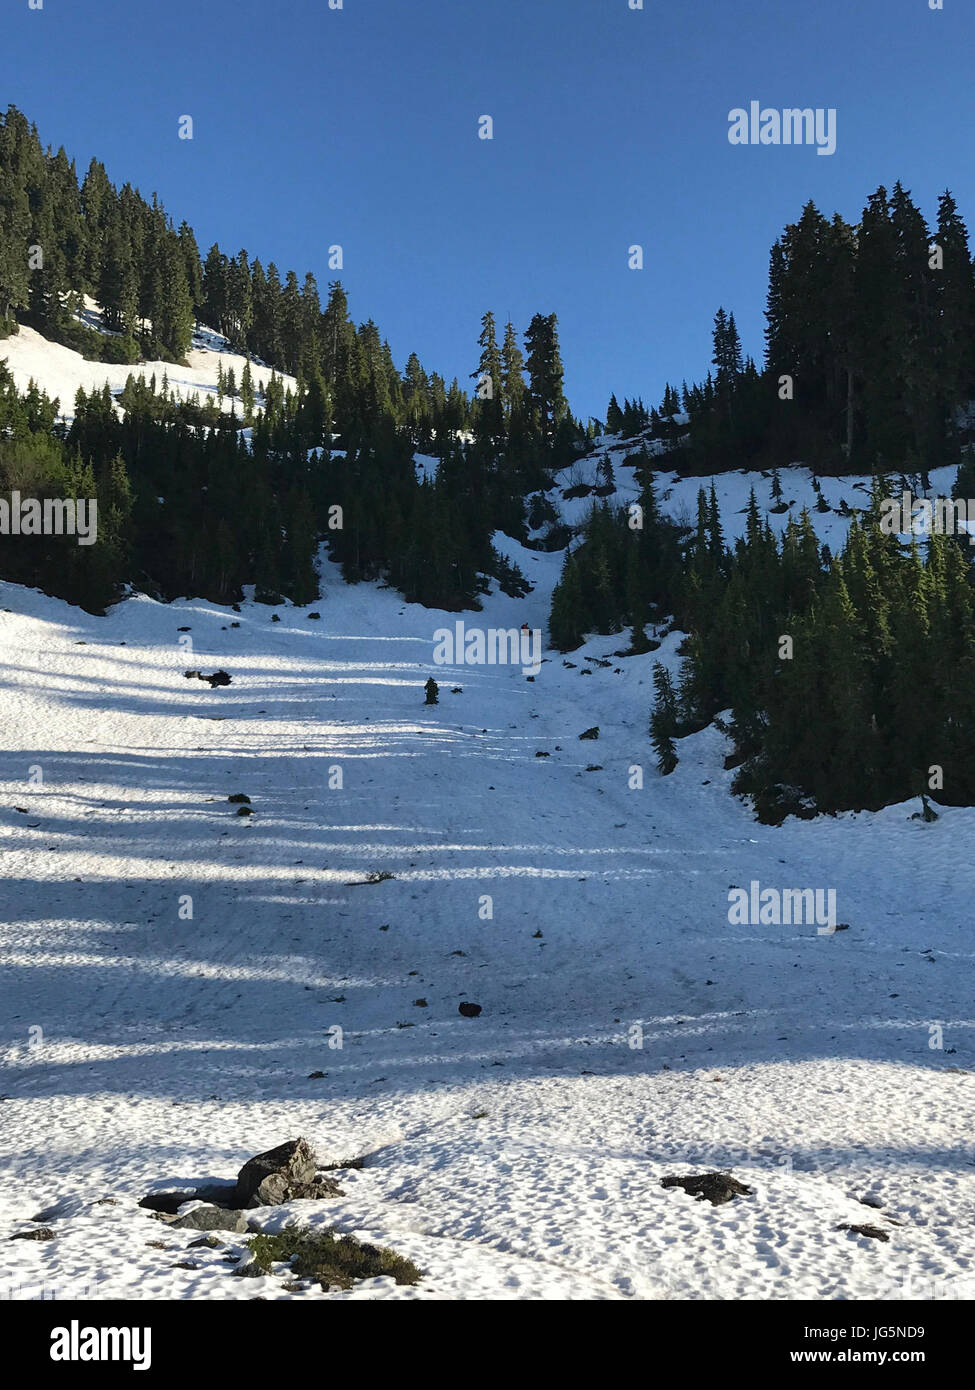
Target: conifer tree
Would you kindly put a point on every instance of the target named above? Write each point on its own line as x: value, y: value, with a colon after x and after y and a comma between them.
x: 664, y: 721
x: 614, y: 416
x: 489, y: 421
x: 543, y: 363
x: 247, y: 393
x: 513, y: 364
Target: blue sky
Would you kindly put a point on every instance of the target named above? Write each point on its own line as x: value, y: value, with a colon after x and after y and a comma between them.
x: 359, y: 127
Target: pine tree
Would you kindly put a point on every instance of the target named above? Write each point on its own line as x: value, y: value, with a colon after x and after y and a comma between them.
x: 291, y: 322
x: 172, y: 308
x: 239, y: 301
x: 191, y: 265
x: 664, y: 721
x: 490, y: 385
x: 513, y: 364
x: 614, y: 417
x: 247, y: 393
x: 954, y: 290
x: 545, y: 374
x: 14, y: 239
x: 215, y: 290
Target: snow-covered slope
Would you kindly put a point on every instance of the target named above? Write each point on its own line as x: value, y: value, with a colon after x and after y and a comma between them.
x: 514, y: 1155
x: 62, y: 372
x: 677, y: 495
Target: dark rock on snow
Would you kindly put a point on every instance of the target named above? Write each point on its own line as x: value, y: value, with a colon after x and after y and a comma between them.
x: 284, y: 1174
x: 217, y: 678
x: 211, y: 1219
x: 715, y: 1188
x: 875, y: 1232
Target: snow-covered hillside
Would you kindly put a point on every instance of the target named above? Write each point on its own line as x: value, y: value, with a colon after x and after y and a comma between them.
x: 62, y: 372
x: 514, y: 1155
x: 402, y: 859
x: 677, y: 495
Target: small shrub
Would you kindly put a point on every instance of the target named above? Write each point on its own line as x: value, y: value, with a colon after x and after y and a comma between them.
x: 121, y: 351
x: 335, y: 1261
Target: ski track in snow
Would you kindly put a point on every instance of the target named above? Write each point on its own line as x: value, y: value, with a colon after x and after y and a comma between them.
x: 518, y: 1155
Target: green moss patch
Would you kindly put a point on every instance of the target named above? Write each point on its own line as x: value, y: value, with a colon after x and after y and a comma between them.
x: 335, y: 1261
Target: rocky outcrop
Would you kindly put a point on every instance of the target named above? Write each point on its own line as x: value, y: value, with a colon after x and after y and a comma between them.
x: 284, y: 1174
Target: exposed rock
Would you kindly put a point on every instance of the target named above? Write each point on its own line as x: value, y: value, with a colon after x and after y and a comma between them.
x: 167, y: 1202
x: 278, y: 1188
x: 217, y: 1194
x: 716, y: 1188
x: 469, y: 1010
x: 217, y: 677
x: 211, y: 1219
x: 875, y: 1232
x: 41, y: 1233
x: 293, y: 1159
x: 284, y: 1174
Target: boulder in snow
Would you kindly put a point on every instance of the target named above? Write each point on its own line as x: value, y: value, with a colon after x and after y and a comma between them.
x: 284, y: 1174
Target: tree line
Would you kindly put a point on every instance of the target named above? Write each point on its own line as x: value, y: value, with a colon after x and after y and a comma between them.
x: 869, y: 353
x: 329, y: 456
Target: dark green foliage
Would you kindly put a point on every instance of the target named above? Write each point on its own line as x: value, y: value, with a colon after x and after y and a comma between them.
x: 334, y: 1261
x: 870, y: 349
x: 234, y: 514
x: 850, y: 679
x: 626, y: 571
x: 664, y: 721
x: 432, y: 692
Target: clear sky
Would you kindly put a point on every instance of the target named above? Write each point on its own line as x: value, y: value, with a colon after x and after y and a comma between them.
x: 359, y: 127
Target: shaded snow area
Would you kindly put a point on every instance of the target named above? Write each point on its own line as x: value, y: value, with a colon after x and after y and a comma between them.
x: 628, y: 1031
